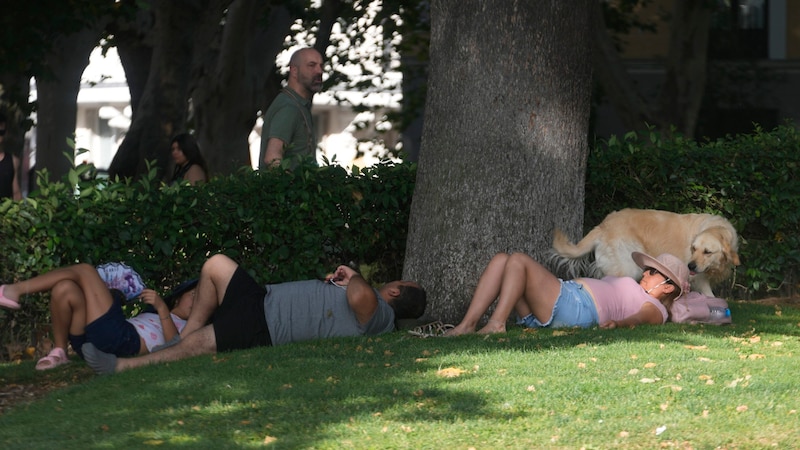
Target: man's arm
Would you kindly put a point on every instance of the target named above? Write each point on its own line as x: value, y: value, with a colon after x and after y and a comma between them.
x: 360, y: 296
x: 16, y: 193
x: 274, y: 153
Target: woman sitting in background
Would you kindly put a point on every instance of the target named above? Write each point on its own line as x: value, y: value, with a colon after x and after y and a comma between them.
x: 189, y: 162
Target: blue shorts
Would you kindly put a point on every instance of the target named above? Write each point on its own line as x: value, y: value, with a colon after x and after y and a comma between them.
x: 110, y: 333
x: 574, y: 308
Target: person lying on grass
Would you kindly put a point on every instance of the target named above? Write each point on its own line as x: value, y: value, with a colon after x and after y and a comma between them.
x: 83, y: 309
x: 517, y: 282
x: 245, y: 314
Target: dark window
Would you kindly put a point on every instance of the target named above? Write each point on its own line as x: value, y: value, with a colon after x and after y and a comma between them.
x: 739, y: 30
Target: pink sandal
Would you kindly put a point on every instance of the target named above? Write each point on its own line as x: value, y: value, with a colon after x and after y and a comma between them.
x: 56, y: 357
x: 6, y: 302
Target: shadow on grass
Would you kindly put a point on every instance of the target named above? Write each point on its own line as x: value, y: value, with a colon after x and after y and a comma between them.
x: 311, y: 394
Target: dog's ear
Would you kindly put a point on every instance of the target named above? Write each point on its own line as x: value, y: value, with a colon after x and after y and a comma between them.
x: 735, y: 259
x: 731, y: 255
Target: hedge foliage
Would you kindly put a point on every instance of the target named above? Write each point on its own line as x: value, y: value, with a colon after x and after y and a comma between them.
x: 279, y: 225
x: 749, y: 179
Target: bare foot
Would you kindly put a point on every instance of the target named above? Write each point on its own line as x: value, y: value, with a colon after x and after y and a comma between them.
x: 493, y: 327
x: 459, y: 330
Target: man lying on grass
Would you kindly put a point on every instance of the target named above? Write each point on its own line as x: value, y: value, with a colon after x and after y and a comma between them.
x: 245, y: 314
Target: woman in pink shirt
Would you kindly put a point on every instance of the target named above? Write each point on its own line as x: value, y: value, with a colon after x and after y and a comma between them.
x: 517, y: 282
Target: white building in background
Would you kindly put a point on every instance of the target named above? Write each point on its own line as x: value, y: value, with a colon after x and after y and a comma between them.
x: 104, y: 116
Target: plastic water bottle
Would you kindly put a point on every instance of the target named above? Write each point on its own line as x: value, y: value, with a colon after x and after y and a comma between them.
x: 718, y: 312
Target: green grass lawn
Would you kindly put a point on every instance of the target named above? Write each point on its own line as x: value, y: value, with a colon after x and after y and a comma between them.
x: 674, y: 386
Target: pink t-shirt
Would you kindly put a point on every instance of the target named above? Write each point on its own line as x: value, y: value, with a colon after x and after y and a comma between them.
x: 619, y: 297
x: 148, y: 325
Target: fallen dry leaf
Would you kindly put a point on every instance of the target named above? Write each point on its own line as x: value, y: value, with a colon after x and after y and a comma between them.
x: 450, y: 372
x: 649, y: 380
x: 650, y: 365
x: 756, y: 356
x: 269, y: 440
x: 741, y: 408
x: 696, y: 347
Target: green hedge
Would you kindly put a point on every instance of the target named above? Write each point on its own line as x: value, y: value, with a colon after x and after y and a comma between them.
x: 749, y: 179
x: 279, y: 225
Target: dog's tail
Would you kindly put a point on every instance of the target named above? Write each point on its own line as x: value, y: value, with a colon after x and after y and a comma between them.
x: 564, y: 247
x: 568, y: 260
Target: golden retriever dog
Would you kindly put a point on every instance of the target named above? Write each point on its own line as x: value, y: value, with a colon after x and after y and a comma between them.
x: 707, y: 243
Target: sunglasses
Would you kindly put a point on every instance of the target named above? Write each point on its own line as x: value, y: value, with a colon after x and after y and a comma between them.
x: 653, y: 271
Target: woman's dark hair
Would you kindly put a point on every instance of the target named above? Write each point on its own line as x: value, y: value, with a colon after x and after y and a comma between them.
x: 410, y: 304
x: 191, y: 150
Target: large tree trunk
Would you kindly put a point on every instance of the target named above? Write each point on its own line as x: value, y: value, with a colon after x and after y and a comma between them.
x: 680, y: 98
x: 240, y: 68
x: 163, y: 108
x: 504, y: 143
x: 134, y: 42
x: 610, y: 72
x: 686, y: 65
x: 57, y: 97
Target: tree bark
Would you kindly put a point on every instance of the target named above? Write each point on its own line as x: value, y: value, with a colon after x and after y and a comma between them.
x: 163, y: 108
x: 678, y: 102
x: 134, y: 41
x: 686, y: 65
x: 504, y: 142
x: 57, y: 96
x: 240, y: 67
x: 610, y: 72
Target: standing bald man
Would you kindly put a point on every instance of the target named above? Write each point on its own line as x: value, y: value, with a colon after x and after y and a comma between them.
x: 288, y: 130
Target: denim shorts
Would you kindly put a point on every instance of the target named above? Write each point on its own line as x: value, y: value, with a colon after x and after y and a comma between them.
x: 574, y: 308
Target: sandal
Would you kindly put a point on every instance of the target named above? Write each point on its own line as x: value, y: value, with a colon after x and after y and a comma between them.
x: 6, y: 302
x: 56, y: 357
x: 433, y: 329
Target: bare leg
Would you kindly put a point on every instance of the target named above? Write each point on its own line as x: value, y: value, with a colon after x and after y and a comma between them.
x: 524, y: 278
x: 67, y: 312
x: 201, y: 342
x: 485, y: 294
x: 97, y: 296
x: 214, y: 278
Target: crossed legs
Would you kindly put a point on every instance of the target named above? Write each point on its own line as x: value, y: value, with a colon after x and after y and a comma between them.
x: 197, y: 338
x: 78, y: 297
x: 516, y: 282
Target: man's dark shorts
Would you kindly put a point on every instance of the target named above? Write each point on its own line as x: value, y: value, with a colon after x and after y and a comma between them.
x: 239, y: 322
x: 110, y: 333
